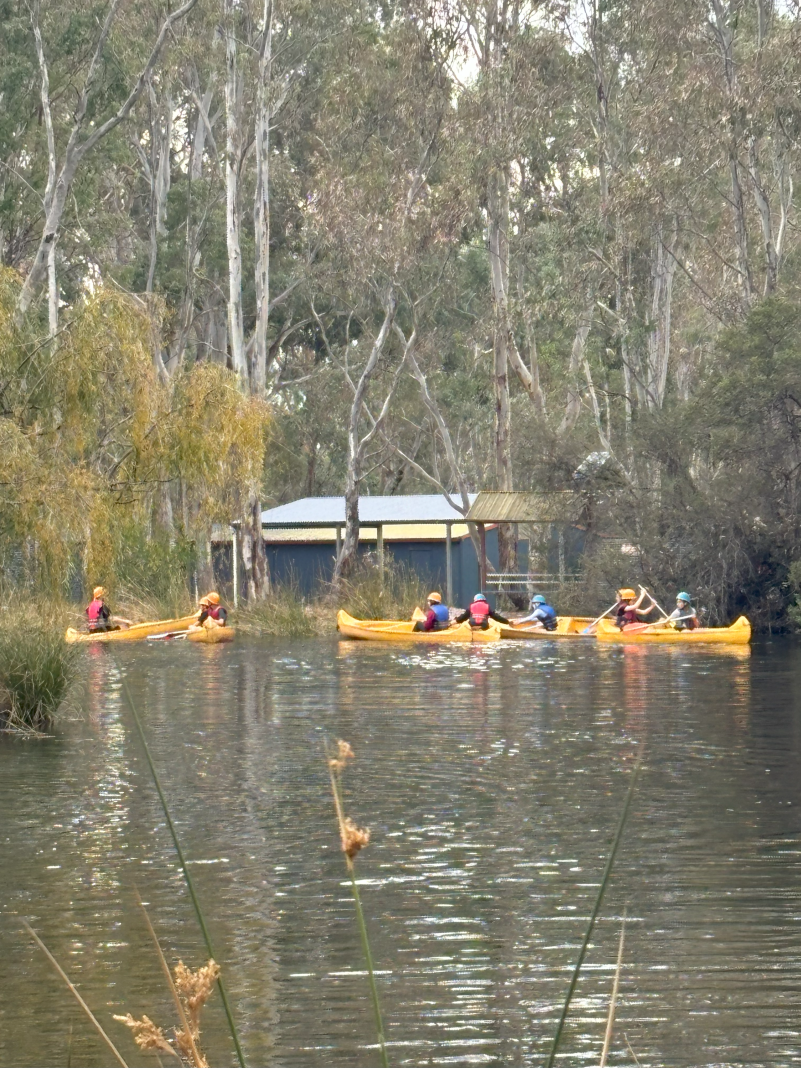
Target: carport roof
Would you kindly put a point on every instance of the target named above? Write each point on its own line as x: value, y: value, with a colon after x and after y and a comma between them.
x: 330, y: 511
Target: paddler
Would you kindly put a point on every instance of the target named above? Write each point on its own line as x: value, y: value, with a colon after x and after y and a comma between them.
x: 212, y: 614
x: 684, y: 616
x: 629, y: 606
x: 542, y: 614
x: 98, y: 614
x: 479, y: 613
x: 437, y: 615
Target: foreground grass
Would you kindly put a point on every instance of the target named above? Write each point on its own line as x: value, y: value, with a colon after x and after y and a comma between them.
x: 37, y: 667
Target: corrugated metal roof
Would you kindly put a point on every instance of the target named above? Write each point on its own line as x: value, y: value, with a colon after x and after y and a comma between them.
x: 330, y: 511
x: 491, y: 506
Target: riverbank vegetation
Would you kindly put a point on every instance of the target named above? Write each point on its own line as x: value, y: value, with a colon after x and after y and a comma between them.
x: 252, y: 253
x: 37, y: 668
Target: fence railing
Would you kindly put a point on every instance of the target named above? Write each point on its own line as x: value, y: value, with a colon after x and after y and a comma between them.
x: 525, y: 581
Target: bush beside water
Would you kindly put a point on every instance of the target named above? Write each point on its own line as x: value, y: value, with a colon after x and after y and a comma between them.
x: 36, y: 670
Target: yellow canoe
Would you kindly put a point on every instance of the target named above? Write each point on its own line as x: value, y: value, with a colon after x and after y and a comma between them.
x: 132, y: 634
x: 566, y: 627
x: 399, y: 630
x: 211, y: 635
x: 739, y: 633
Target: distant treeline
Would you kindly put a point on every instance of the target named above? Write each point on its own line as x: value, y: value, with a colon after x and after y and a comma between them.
x: 255, y: 251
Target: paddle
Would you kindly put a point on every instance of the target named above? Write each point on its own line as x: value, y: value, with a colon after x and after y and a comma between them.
x: 418, y: 615
x: 659, y: 606
x: 164, y: 637
x: 595, y: 622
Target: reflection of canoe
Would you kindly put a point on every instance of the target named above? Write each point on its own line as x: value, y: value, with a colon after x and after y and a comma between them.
x: 132, y: 634
x: 392, y: 630
x: 739, y: 633
x: 566, y: 627
x: 211, y: 635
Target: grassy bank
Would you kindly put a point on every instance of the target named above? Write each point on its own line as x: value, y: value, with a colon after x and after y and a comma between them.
x: 365, y: 594
x: 37, y: 667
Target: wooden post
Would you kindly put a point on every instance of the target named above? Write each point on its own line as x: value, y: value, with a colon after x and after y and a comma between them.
x: 448, y: 565
x: 235, y: 559
x: 561, y: 556
x: 339, y: 541
x: 482, y: 563
x: 379, y: 550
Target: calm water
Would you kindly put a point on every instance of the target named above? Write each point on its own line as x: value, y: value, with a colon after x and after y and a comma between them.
x: 491, y: 778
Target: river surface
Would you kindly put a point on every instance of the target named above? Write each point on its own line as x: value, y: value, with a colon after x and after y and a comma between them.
x: 492, y: 779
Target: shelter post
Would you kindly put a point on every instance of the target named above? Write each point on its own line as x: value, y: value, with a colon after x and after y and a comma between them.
x: 482, y: 563
x: 235, y: 561
x: 379, y: 550
x: 339, y: 541
x: 448, y: 564
x: 561, y: 556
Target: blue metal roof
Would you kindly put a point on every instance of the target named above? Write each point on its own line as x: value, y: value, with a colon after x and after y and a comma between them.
x: 330, y: 511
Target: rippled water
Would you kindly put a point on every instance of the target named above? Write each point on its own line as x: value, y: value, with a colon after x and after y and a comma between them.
x: 491, y: 778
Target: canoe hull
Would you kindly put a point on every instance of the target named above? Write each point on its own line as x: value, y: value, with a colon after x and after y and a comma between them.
x: 391, y: 630
x: 138, y: 632
x: 739, y: 633
x: 211, y: 636
x: 567, y: 627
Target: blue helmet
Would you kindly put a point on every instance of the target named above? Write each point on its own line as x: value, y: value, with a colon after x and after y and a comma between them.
x: 683, y: 596
x: 538, y: 599
x: 479, y: 597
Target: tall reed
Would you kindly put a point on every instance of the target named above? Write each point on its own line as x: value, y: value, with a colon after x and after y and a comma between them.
x: 594, y: 914
x: 353, y: 839
x: 71, y: 987
x: 36, y: 669
x: 187, y: 877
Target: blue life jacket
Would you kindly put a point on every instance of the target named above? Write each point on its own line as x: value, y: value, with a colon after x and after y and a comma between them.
x: 547, y: 616
x: 441, y: 613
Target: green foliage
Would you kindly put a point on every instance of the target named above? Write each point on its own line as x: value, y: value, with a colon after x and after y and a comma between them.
x: 366, y: 594
x: 36, y: 669
x: 283, y: 614
x: 794, y: 582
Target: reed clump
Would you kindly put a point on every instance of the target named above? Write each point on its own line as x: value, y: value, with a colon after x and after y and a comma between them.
x: 283, y: 614
x: 367, y: 593
x: 37, y: 668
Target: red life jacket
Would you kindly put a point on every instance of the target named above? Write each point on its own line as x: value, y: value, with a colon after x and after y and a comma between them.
x: 479, y: 611
x: 214, y: 611
x: 94, y: 611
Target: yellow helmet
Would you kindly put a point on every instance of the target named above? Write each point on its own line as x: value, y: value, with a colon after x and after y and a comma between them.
x: 211, y: 598
x: 98, y: 592
x: 625, y: 593
x: 435, y: 597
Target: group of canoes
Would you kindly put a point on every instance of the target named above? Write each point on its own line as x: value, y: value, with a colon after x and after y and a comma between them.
x: 208, y: 625
x: 624, y: 621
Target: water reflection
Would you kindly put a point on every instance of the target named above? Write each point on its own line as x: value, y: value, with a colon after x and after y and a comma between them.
x: 491, y: 778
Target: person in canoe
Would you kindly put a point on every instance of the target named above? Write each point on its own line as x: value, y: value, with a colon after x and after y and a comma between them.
x: 437, y: 614
x: 98, y: 614
x: 212, y: 613
x: 629, y: 607
x: 684, y: 616
x: 479, y: 613
x: 541, y: 615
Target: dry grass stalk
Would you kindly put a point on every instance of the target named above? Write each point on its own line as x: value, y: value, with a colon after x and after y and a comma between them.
x: 354, y: 838
x: 192, y: 990
x: 195, y: 1057
x: 71, y: 987
x: 610, y: 1023
x: 147, y: 1035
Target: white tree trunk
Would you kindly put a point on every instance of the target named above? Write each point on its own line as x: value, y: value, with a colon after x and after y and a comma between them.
x: 261, y: 208
x: 52, y: 165
x: 233, y: 118
x: 357, y: 445
x: 77, y: 149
